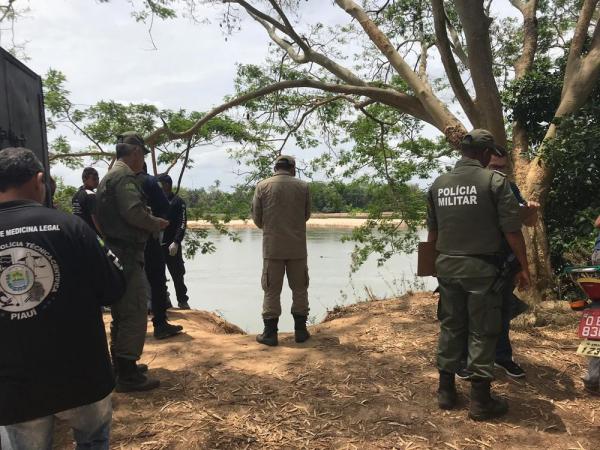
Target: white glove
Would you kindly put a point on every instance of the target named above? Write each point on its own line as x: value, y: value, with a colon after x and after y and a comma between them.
x: 173, y: 248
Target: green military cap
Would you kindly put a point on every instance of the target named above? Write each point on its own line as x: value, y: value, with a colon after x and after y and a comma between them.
x: 480, y: 139
x: 133, y: 138
x: 286, y: 159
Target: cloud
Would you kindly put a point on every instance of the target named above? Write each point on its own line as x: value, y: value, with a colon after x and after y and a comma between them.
x: 106, y: 55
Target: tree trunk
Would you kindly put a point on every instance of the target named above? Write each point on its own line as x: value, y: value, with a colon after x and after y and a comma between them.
x: 536, y: 238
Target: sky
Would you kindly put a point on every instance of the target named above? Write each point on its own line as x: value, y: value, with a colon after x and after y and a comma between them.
x: 106, y: 55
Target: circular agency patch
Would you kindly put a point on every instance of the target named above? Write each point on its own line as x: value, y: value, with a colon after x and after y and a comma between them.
x: 26, y: 279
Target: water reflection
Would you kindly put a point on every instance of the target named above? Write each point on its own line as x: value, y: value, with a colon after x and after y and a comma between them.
x: 228, y: 281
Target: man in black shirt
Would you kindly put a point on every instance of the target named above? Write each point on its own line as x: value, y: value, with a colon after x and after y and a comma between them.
x: 172, y: 239
x: 84, y: 200
x: 155, y: 260
x: 54, y: 277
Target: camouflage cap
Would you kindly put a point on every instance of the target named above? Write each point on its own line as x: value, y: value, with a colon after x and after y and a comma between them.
x: 286, y: 159
x: 480, y: 139
x: 133, y: 138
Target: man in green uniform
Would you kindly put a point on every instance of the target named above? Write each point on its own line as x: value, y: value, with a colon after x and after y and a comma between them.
x: 281, y: 207
x: 126, y: 223
x: 470, y: 209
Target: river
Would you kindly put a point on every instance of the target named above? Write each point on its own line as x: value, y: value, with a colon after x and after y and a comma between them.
x: 228, y: 281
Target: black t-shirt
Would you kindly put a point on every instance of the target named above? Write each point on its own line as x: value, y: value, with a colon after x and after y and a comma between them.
x: 175, y: 232
x: 54, y: 277
x: 84, y: 205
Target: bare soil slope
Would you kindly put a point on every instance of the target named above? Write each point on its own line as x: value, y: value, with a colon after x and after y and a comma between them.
x: 365, y: 380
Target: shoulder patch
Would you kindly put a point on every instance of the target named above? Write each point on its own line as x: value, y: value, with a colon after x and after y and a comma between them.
x: 130, y: 186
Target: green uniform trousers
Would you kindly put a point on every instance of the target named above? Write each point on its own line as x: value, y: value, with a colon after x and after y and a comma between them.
x: 130, y: 312
x: 272, y: 283
x: 470, y: 316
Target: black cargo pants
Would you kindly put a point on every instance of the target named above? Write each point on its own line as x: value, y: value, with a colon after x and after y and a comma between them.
x: 155, y: 271
x: 176, y: 268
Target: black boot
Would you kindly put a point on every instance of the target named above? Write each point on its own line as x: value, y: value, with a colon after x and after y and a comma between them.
x: 142, y: 368
x: 446, y: 391
x: 269, y: 335
x: 301, y: 334
x: 483, y: 405
x: 165, y: 330
x: 130, y: 379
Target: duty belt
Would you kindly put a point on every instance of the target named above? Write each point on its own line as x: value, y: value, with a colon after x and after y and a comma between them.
x: 126, y: 245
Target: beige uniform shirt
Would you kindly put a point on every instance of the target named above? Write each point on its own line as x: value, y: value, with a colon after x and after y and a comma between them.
x: 281, y: 207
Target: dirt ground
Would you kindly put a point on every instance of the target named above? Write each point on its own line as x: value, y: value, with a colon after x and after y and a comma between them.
x: 365, y: 380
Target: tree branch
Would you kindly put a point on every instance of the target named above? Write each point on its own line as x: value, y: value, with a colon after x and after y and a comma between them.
x: 309, y: 55
x: 403, y: 102
x: 443, y: 45
x: 519, y: 4
x: 285, y: 46
x: 476, y: 25
x: 579, y: 37
x: 7, y: 10
x: 57, y: 156
x: 457, y: 46
x: 255, y: 12
x: 443, y: 119
x: 185, y: 162
x: 530, y: 36
x: 307, y: 113
x: 291, y: 32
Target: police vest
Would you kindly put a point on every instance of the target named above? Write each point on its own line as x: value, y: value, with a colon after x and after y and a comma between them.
x: 113, y: 225
x: 466, y: 210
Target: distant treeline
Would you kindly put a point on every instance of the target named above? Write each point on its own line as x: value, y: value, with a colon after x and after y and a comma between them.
x: 327, y: 197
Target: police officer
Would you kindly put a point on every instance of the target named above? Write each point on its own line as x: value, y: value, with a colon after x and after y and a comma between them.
x: 469, y: 210
x: 126, y: 225
x: 84, y: 200
x: 155, y: 260
x: 54, y: 278
x: 281, y: 206
x: 173, y: 238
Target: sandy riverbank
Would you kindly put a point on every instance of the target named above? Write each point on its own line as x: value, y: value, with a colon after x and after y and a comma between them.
x: 316, y: 221
x: 365, y: 380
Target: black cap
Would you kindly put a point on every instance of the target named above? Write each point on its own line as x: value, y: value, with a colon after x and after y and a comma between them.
x: 133, y: 138
x: 165, y: 178
x: 480, y: 139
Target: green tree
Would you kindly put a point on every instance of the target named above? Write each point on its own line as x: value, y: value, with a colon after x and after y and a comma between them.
x: 314, y: 66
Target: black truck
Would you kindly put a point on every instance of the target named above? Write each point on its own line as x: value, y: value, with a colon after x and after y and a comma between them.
x: 22, y: 120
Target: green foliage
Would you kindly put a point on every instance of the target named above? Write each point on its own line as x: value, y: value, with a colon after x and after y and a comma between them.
x: 63, y: 196
x: 533, y: 100
x: 396, y: 214
x: 101, y: 122
x: 148, y: 9
x: 203, y: 203
x: 574, y: 198
x: 573, y: 157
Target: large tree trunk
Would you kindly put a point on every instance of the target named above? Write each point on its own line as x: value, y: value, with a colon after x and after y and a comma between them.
x: 536, y: 238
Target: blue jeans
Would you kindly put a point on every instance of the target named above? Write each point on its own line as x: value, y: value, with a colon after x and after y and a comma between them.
x: 90, y: 424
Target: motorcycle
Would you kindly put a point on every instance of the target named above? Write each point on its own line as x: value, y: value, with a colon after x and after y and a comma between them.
x: 588, y: 280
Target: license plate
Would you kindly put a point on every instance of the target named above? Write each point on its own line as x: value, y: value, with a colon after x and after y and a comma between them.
x: 589, y: 325
x: 589, y: 348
